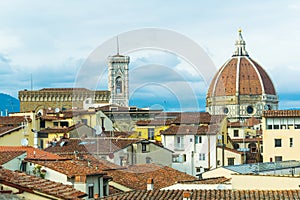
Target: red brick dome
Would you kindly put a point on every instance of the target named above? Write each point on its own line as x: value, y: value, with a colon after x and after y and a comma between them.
x: 241, y: 75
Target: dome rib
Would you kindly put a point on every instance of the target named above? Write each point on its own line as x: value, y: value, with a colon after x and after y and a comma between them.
x: 258, y: 74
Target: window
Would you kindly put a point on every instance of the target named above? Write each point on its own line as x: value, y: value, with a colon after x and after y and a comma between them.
x: 42, y: 124
x: 198, y: 169
x: 55, y: 123
x: 277, y: 142
x: 84, y: 121
x: 91, y: 191
x: 236, y: 133
x: 145, y: 148
x: 201, y: 156
x: 122, y: 161
x: 118, y: 85
x: 148, y: 160
x: 230, y: 161
x: 64, y: 124
x: 276, y: 126
x: 269, y: 127
x: 23, y: 166
x: 176, y: 158
x: 179, y: 145
x: 297, y: 126
x: 150, y: 133
x: 198, y: 139
x: 291, y: 142
x: 278, y: 158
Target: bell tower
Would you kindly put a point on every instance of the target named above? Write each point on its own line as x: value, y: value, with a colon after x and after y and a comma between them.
x: 118, y: 79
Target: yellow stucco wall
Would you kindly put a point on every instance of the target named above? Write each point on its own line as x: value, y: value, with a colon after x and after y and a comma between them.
x: 142, y: 132
x: 264, y: 182
x: 286, y: 151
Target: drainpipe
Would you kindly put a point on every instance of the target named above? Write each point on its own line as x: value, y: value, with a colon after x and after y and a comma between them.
x: 208, y: 146
x: 223, y: 149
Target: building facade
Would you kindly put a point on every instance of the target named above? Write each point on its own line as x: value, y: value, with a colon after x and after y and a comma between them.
x: 241, y: 88
x: 59, y: 98
x: 281, y: 135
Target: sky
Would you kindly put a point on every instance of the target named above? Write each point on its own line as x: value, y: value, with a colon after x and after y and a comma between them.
x: 51, y: 41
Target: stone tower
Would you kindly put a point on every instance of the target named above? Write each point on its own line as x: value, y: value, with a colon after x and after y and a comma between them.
x: 118, y: 79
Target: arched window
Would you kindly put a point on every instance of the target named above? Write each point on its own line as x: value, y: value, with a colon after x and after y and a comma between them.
x: 118, y: 85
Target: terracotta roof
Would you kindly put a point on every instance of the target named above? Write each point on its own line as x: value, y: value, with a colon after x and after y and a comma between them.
x: 14, y: 120
x: 6, y: 156
x: 61, y: 129
x: 232, y: 150
x: 191, y: 130
x: 32, y: 153
x: 248, y: 79
x: 154, y: 122
x: 63, y: 89
x: 252, y: 122
x: 193, y: 118
x: 70, y: 168
x: 248, y: 123
x: 214, y: 180
x: 8, y: 129
x: 34, y: 184
x: 240, y: 140
x: 281, y: 113
x: 136, y: 176
x: 207, y: 194
x: 100, y: 145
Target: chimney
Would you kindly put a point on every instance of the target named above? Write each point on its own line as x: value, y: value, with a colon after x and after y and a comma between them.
x: 150, y: 184
x: 186, y: 195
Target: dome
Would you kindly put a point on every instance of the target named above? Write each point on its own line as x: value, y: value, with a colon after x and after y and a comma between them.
x: 241, y: 75
x: 241, y: 86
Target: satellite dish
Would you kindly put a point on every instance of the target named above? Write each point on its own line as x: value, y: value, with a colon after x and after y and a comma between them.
x: 24, y: 142
x: 56, y: 110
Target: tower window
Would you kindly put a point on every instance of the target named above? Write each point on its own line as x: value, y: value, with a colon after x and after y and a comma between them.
x: 118, y: 85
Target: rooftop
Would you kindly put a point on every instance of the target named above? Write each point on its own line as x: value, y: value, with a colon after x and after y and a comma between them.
x: 215, y: 180
x: 71, y: 168
x: 281, y: 113
x: 35, y: 184
x: 262, y: 167
x: 191, y: 130
x: 6, y: 156
x: 14, y: 120
x: 207, y: 194
x: 32, y: 153
x: 136, y: 176
x: 98, y: 145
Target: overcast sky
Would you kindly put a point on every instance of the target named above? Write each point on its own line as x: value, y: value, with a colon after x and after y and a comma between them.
x: 52, y: 40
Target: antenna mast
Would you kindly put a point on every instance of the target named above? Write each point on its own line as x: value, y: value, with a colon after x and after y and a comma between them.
x: 31, y: 83
x: 118, y: 48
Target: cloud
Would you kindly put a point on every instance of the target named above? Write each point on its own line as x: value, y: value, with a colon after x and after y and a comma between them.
x: 5, y: 68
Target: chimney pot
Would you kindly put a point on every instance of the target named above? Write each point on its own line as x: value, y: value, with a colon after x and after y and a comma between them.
x: 186, y: 195
x: 150, y: 184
